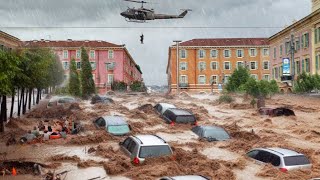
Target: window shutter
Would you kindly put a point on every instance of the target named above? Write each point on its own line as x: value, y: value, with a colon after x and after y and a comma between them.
x: 256, y: 65
x: 186, y: 66
x: 316, y: 36
x: 186, y: 53
x: 204, y: 66
x: 198, y: 79
x: 302, y: 42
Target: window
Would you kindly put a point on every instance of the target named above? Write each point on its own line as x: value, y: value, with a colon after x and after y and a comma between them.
x: 78, y: 54
x: 110, y: 78
x: 296, y: 160
x: 266, y: 77
x: 183, y: 79
x: 92, y: 54
x: 307, y: 65
x: 201, y: 53
x: 110, y: 54
x: 274, y: 53
x: 110, y: 66
x: 253, y: 52
x: 214, y: 79
x: 298, y: 70
x: 240, y: 64
x: 227, y: 53
x: 154, y: 151
x: 302, y: 64
x: 306, y: 40
x: 276, y: 72
x: 202, y: 79
x: 254, y: 76
x: 239, y: 53
x: 214, y: 65
x: 65, y: 65
x: 213, y: 53
x: 93, y: 65
x: 317, y: 35
x: 202, y: 66
x: 183, y: 53
x: 227, y: 65
x: 253, y: 65
x: 183, y: 66
x: 225, y: 79
x: 78, y: 65
x: 280, y: 50
x: 297, y: 44
x: 266, y: 65
x: 65, y: 54
x: 287, y: 47
x: 317, y: 62
x: 265, y: 52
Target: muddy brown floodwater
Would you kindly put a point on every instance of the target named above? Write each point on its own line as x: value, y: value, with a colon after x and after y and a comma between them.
x: 95, y: 154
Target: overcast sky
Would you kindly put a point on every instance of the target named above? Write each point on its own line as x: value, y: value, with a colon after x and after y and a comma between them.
x: 152, y: 56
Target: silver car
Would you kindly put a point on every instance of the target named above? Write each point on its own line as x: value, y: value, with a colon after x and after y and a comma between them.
x: 284, y: 159
x: 189, y: 177
x: 162, y: 107
x: 144, y: 146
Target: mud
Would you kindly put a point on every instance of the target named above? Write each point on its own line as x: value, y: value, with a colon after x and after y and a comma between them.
x: 54, y: 112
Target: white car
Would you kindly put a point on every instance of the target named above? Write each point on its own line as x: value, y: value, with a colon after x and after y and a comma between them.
x: 60, y: 100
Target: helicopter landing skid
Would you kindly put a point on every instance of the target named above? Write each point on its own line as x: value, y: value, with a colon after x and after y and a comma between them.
x: 136, y: 21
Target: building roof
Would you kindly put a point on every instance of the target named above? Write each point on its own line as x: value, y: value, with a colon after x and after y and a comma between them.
x: 68, y: 43
x: 227, y: 42
x: 8, y: 36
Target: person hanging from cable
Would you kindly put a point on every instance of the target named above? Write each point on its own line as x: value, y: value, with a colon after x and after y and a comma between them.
x: 141, y: 38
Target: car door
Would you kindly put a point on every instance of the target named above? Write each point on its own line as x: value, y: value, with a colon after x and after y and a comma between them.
x: 166, y: 116
x: 131, y: 149
x: 125, y: 145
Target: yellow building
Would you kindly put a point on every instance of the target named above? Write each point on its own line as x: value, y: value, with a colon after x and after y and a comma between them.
x: 206, y: 63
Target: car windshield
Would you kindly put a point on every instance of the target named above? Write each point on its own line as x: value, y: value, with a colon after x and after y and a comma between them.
x: 218, y: 134
x: 185, y: 119
x: 154, y: 151
x: 296, y: 160
x: 65, y: 100
x: 119, y: 129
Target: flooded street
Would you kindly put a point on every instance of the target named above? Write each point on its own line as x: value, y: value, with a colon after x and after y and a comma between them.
x: 91, y: 153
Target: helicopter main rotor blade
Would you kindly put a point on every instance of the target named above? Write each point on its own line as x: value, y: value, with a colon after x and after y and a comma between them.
x: 136, y: 1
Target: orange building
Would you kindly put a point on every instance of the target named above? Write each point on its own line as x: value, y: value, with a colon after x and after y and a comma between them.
x: 203, y: 62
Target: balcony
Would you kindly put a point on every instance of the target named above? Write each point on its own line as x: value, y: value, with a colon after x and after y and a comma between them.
x: 183, y: 85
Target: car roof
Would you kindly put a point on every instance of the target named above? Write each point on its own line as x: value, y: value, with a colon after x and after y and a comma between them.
x: 281, y: 151
x: 114, y: 120
x: 189, y: 177
x: 147, y: 140
x: 179, y: 112
x: 166, y: 105
x: 211, y: 128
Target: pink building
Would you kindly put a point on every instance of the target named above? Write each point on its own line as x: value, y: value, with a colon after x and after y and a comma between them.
x: 109, y: 62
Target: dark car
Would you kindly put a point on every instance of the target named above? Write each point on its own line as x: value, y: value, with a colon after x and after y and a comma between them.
x: 175, y: 115
x: 115, y: 125
x: 211, y: 133
x: 101, y: 99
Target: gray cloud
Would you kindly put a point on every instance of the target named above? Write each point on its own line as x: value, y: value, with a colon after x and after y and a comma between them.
x: 153, y: 55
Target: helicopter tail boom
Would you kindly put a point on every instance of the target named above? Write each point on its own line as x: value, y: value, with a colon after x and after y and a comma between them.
x: 184, y: 13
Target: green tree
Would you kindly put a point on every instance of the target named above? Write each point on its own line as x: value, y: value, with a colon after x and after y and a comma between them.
x: 138, y: 86
x: 74, y: 82
x: 305, y: 83
x: 8, y: 70
x: 238, y: 78
x: 260, y: 89
x: 87, y: 83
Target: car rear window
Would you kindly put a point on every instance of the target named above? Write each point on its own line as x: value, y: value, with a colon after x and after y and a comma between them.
x: 296, y: 160
x: 216, y: 134
x: 185, y: 119
x: 120, y: 129
x: 154, y: 151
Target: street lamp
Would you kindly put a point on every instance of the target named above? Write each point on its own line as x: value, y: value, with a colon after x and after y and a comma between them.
x: 292, y: 51
x: 177, y: 48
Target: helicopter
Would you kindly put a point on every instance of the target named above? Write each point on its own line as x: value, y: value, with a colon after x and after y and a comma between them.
x: 142, y: 14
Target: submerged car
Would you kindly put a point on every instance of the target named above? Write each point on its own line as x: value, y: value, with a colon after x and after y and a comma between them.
x: 211, y: 133
x: 115, y: 125
x: 101, y: 99
x: 284, y: 159
x: 162, y: 107
x: 60, y: 101
x: 281, y: 111
x: 174, y: 115
x: 189, y: 177
x: 140, y: 147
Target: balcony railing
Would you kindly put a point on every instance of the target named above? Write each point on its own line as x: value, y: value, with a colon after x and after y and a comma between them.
x: 183, y: 85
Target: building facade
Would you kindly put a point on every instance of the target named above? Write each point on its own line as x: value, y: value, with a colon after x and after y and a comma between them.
x: 306, y: 38
x: 109, y: 62
x: 206, y: 63
x: 8, y: 41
